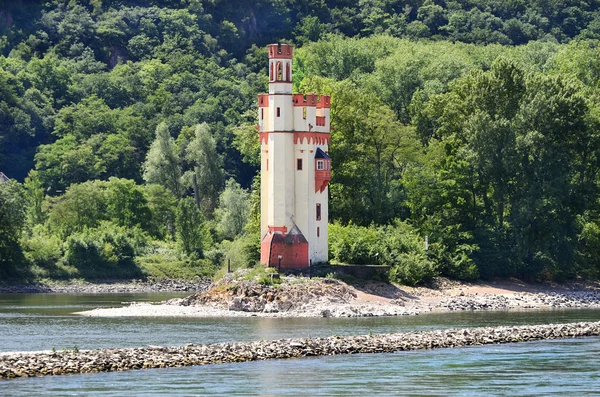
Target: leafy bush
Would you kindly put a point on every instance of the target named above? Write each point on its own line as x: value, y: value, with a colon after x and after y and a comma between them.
x: 44, y: 253
x: 398, y: 246
x: 243, y: 252
x: 587, y: 260
x: 162, y: 260
x: 404, y: 250
x: 41, y: 248
x: 353, y: 244
x: 106, y: 251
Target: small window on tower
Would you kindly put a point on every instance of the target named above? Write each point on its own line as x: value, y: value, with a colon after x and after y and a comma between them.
x: 262, y: 114
x: 299, y: 164
x: 318, y: 232
x: 304, y: 113
x: 320, y: 165
x: 318, y: 212
x: 267, y: 165
x: 278, y: 112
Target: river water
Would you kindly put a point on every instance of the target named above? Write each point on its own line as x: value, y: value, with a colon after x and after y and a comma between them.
x: 44, y: 321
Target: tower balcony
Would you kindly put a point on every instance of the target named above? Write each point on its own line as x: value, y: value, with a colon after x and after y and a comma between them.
x: 322, y: 170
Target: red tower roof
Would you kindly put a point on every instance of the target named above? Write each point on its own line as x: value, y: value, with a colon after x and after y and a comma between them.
x: 280, y: 51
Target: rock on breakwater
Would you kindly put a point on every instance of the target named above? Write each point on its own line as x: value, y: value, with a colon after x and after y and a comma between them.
x: 14, y: 365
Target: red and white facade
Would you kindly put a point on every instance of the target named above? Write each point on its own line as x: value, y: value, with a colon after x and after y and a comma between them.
x: 295, y: 169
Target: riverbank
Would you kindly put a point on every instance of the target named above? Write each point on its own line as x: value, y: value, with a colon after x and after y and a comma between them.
x: 107, y: 286
x: 14, y: 365
x: 234, y: 296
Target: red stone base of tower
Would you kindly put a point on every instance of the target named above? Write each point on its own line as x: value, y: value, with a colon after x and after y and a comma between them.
x: 284, y: 250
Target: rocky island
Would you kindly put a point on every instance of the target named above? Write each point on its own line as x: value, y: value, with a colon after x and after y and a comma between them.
x: 238, y: 294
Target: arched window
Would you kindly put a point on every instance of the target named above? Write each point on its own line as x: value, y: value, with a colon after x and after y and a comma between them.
x: 279, y: 71
x: 272, y: 76
x: 288, y: 73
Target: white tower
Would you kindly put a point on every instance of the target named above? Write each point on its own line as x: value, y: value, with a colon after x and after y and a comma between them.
x: 295, y: 169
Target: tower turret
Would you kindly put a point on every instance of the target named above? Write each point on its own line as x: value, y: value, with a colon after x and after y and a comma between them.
x: 280, y: 68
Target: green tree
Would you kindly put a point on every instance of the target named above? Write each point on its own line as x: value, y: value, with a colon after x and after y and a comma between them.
x: 12, y: 220
x: 511, y: 170
x: 233, y: 211
x: 189, y: 224
x: 65, y: 162
x: 163, y: 205
x: 370, y: 149
x: 86, y: 205
x: 202, y: 154
x: 162, y: 164
x: 126, y: 204
x: 34, y: 190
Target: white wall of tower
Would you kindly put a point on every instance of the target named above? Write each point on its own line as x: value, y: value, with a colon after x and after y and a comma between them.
x: 288, y: 196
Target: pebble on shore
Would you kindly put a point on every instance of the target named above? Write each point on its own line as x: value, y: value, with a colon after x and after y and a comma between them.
x: 13, y: 365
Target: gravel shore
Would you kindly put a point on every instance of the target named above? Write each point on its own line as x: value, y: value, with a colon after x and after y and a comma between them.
x: 13, y: 365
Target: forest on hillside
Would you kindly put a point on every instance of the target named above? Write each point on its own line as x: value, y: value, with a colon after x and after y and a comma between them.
x: 127, y: 128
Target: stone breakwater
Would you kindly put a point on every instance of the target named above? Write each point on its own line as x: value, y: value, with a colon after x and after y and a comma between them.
x: 14, y: 365
x: 108, y: 287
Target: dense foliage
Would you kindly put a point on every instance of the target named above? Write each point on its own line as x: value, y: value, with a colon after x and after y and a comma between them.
x: 127, y: 127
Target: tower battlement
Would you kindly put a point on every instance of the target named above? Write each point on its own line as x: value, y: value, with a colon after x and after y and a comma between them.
x: 318, y: 101
x: 282, y: 51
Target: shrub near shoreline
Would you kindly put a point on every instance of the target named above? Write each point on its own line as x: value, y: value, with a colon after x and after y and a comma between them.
x: 398, y: 246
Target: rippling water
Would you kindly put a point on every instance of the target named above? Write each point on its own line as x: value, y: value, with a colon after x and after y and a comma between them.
x: 38, y: 322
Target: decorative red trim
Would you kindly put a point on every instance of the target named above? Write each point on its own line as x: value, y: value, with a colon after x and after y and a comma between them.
x: 321, y: 121
x: 264, y: 137
x: 282, y: 229
x: 317, y: 138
